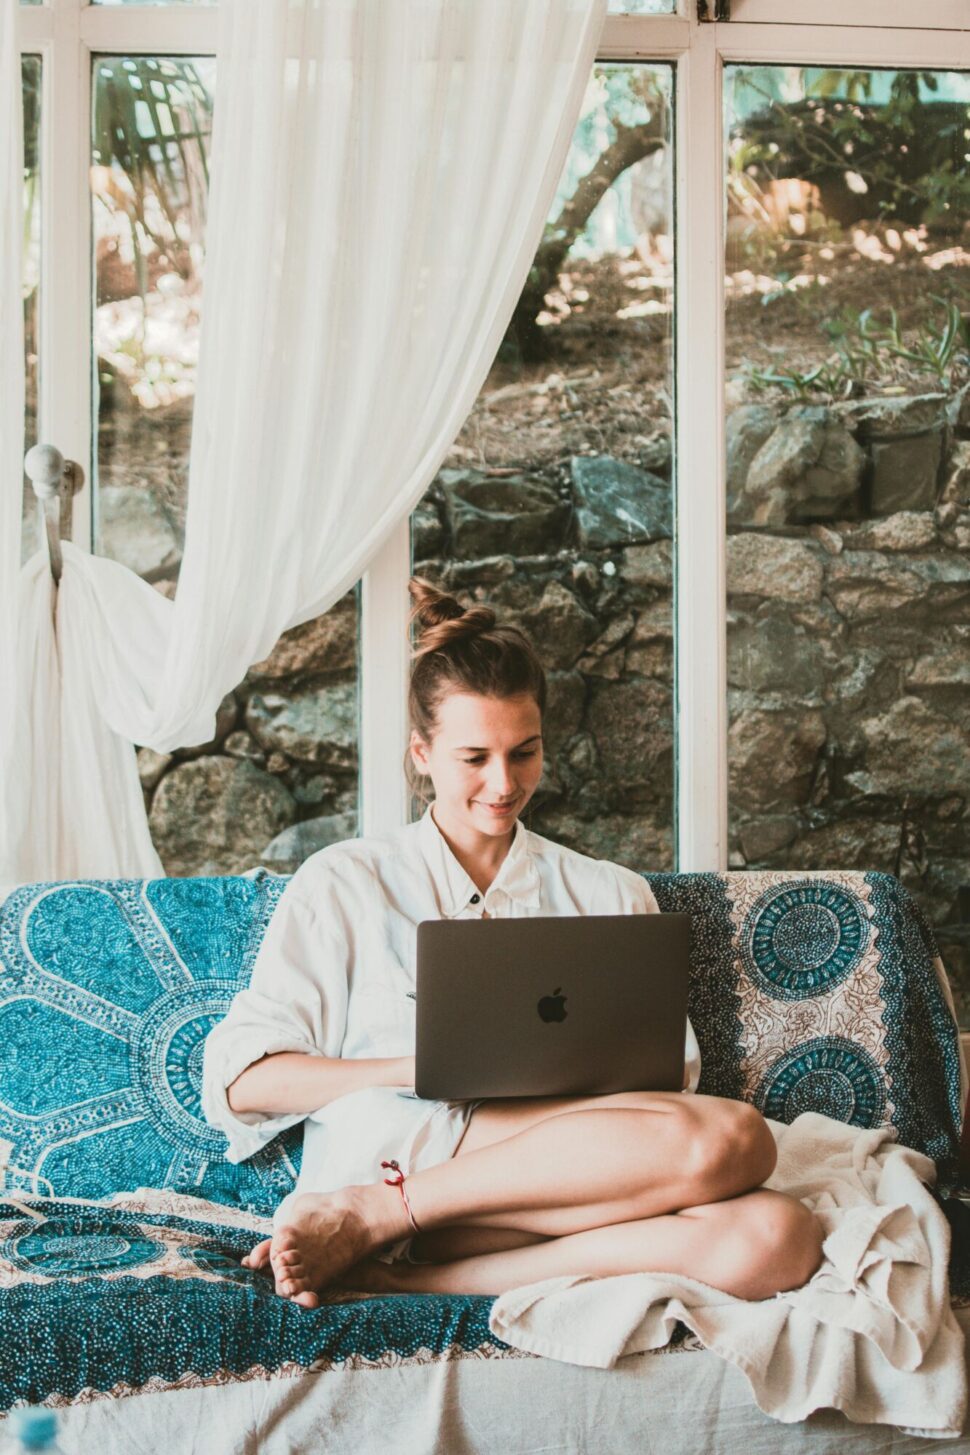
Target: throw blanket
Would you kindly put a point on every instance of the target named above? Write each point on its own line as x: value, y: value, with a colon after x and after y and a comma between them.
x: 871, y: 1334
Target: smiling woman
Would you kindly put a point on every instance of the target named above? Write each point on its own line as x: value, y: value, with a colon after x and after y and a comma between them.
x: 326, y: 1031
x: 477, y: 719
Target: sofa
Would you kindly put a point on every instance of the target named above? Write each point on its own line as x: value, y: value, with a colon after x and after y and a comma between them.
x: 123, y: 1302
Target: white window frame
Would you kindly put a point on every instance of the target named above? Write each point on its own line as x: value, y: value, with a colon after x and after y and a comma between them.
x: 66, y: 33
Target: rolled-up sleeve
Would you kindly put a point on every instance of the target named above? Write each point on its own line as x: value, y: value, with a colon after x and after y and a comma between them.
x: 296, y: 1001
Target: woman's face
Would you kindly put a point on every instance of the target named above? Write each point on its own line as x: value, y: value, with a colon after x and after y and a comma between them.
x: 485, y: 761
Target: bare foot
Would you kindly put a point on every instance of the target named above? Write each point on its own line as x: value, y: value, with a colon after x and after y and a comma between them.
x: 326, y: 1234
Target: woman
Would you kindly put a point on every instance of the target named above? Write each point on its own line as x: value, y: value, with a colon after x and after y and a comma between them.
x: 483, y: 1196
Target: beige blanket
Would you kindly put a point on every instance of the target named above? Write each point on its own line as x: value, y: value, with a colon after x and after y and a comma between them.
x: 871, y: 1334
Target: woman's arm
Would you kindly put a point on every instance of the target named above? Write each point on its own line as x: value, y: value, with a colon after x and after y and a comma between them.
x: 290, y: 1081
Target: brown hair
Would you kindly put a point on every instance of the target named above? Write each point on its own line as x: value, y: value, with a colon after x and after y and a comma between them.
x: 462, y: 649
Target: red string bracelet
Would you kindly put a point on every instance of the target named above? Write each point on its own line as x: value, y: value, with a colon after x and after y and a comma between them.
x: 398, y: 1181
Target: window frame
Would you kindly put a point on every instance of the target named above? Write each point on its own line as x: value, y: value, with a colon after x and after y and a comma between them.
x: 67, y: 33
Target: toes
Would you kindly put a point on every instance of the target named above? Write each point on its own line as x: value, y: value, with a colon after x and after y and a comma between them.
x: 306, y: 1300
x: 258, y: 1257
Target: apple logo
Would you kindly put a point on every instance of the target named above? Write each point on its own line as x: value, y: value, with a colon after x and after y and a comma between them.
x: 552, y: 1007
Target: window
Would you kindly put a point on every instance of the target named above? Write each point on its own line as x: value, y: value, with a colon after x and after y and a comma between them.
x: 778, y: 680
x: 848, y: 364
x: 555, y: 502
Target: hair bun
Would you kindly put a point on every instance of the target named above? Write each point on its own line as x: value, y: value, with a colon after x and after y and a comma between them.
x: 441, y: 619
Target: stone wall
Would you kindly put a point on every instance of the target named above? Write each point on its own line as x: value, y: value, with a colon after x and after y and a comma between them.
x: 848, y: 665
x: 849, y: 647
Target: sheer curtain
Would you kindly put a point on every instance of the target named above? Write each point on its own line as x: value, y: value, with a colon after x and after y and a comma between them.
x: 381, y: 173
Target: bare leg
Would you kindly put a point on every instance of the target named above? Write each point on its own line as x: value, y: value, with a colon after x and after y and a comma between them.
x: 751, y: 1246
x: 566, y: 1174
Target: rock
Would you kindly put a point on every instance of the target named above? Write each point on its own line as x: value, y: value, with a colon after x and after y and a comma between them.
x: 241, y: 745
x: 772, y: 756
x: 956, y: 485
x: 565, y: 699
x: 558, y: 624
x: 632, y: 724
x: 585, y: 575
x: 759, y: 565
x: 910, y: 749
x: 656, y: 456
x: 211, y: 815
x: 632, y: 841
x: 317, y: 725
x: 765, y: 836
x: 748, y: 428
x: 328, y: 643
x: 948, y: 665
x: 226, y: 714
x: 649, y: 566
x: 136, y: 531
x: 905, y: 474
x: 515, y: 514
x: 277, y: 763
x: 315, y: 790
x: 865, y: 844
x: 830, y: 540
x: 652, y: 659
x: 458, y: 575
x: 151, y: 767
x: 958, y: 410
x: 890, y: 417
x: 810, y: 468
x: 288, y: 850
x: 864, y: 585
x: 617, y: 504
x: 865, y: 678
x: 427, y: 532
x: 616, y: 631
x: 654, y: 622
x: 907, y: 530
x: 770, y: 654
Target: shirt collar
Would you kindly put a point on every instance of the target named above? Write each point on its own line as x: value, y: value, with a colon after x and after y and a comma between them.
x: 518, y: 875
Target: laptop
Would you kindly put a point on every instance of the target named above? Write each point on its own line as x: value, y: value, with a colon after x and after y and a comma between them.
x: 556, y: 1005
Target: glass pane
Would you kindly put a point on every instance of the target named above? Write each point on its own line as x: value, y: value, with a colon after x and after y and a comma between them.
x: 642, y: 7
x: 555, y: 502
x: 31, y: 535
x: 848, y: 363
x: 280, y: 780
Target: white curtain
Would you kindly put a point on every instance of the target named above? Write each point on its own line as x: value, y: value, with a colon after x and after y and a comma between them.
x: 381, y: 172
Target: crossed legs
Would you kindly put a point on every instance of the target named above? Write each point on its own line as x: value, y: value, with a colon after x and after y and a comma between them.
x: 598, y: 1185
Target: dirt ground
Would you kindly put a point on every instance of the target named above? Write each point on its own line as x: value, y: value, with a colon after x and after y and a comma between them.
x: 606, y: 384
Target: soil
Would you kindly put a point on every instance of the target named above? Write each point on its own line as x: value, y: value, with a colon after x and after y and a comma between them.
x: 605, y: 386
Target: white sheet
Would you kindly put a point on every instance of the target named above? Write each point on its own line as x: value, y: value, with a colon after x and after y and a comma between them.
x: 871, y: 1334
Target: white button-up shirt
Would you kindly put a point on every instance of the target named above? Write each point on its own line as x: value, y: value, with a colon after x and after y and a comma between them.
x: 335, y: 976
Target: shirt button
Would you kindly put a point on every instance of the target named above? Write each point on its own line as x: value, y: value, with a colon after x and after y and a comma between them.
x: 476, y: 898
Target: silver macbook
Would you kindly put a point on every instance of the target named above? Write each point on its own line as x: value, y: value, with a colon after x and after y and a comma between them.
x: 551, y: 1005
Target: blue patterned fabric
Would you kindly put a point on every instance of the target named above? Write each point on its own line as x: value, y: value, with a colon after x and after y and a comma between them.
x: 107, y: 992
x: 96, y: 1300
x: 808, y: 992
x: 819, y: 992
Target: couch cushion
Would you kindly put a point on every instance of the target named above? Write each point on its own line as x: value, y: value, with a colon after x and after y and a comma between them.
x: 107, y: 992
x: 825, y: 992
